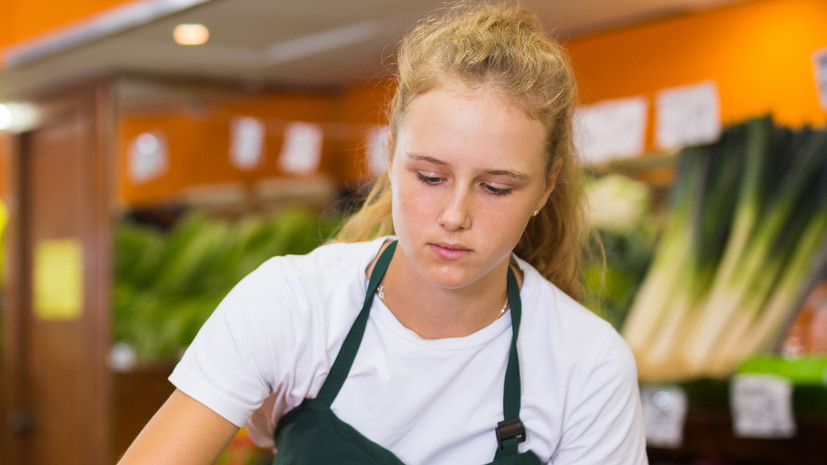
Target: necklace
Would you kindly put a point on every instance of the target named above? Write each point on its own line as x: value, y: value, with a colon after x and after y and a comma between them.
x: 380, y: 291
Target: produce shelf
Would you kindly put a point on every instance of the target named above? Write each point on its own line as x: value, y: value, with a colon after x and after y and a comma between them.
x: 708, y: 436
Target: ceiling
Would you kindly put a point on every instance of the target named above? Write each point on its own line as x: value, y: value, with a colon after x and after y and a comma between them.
x: 295, y: 44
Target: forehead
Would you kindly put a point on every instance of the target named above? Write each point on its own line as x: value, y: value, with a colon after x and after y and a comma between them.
x: 471, y: 125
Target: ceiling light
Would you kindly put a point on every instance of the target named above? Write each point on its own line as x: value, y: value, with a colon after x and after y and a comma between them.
x: 17, y: 117
x: 191, y: 34
x: 5, y: 117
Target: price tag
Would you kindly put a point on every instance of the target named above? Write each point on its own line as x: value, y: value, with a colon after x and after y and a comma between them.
x: 611, y: 129
x: 820, y: 67
x: 762, y: 406
x: 302, y: 149
x: 246, y: 141
x: 148, y: 157
x: 688, y: 115
x: 664, y: 414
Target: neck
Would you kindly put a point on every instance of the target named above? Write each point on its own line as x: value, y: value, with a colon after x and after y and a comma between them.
x: 435, y: 312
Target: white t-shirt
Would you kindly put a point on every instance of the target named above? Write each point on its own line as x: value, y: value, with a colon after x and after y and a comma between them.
x: 273, y: 339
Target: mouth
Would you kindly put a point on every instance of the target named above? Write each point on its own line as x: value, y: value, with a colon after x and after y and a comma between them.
x: 449, y: 251
x: 447, y: 246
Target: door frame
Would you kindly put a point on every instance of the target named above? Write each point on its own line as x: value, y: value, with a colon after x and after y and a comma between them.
x: 96, y: 101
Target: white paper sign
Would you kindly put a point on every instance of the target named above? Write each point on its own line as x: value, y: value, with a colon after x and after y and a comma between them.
x: 762, y: 406
x: 820, y: 67
x: 377, y: 150
x: 302, y: 149
x: 148, y: 157
x: 688, y: 115
x: 611, y: 129
x: 246, y: 142
x: 664, y: 415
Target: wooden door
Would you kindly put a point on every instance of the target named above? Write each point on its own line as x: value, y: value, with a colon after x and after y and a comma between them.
x: 57, y: 399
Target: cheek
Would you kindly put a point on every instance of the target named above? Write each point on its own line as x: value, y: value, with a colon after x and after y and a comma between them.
x: 503, y: 220
x: 410, y: 207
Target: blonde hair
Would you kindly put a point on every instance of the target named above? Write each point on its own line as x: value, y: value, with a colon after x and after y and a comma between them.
x: 503, y: 48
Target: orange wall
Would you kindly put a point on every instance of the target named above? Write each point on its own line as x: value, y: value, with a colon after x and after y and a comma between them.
x: 22, y: 20
x: 759, y: 53
x: 199, y: 143
x: 7, y: 21
x: 362, y: 107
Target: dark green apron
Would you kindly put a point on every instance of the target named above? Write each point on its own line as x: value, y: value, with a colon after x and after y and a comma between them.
x: 311, y: 434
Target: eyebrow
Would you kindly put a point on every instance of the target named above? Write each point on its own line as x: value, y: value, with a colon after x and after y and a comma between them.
x: 510, y: 173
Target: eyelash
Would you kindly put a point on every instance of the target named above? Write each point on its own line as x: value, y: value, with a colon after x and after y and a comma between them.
x: 428, y: 179
x: 434, y: 180
x: 495, y: 191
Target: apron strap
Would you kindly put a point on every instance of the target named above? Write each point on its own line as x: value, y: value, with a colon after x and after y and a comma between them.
x: 344, y: 360
x: 510, y: 431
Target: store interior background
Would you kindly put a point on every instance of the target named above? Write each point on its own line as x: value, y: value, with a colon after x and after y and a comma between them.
x: 112, y: 128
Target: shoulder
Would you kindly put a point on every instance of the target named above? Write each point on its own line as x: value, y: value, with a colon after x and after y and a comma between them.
x: 285, y: 290
x: 329, y: 264
x: 580, y: 340
x: 544, y: 302
x: 590, y: 371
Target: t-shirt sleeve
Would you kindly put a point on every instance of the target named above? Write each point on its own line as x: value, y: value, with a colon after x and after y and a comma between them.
x: 240, y: 352
x: 605, y: 425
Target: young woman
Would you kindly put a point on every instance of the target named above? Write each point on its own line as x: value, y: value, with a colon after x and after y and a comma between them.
x: 443, y: 326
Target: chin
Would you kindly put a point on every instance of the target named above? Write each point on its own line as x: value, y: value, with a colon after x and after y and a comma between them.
x: 449, y: 279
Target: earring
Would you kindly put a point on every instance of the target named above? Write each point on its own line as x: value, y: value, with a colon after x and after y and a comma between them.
x: 536, y: 212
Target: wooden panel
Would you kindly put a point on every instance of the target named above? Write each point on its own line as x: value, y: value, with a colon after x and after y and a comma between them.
x: 136, y: 396
x: 14, y: 329
x: 60, y: 190
x: 57, y: 363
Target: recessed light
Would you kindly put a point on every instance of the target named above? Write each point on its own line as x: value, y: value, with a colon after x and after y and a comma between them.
x: 191, y: 34
x: 16, y: 117
x: 5, y: 117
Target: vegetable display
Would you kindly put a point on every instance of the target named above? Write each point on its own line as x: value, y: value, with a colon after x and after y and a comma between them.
x: 747, y: 226
x: 168, y: 283
x: 620, y: 245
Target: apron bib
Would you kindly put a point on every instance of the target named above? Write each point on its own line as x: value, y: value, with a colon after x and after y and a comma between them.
x: 311, y: 434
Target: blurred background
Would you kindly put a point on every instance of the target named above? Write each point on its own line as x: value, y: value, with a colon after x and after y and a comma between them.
x: 153, y: 152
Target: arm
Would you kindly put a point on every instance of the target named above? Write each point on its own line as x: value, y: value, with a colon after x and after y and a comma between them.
x: 182, y: 431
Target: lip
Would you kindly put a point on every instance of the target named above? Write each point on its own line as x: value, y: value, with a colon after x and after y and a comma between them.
x: 449, y: 251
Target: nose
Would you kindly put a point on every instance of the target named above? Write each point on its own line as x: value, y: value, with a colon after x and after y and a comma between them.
x: 456, y: 211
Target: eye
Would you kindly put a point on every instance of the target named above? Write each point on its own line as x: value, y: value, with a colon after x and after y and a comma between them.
x: 428, y: 179
x: 494, y: 190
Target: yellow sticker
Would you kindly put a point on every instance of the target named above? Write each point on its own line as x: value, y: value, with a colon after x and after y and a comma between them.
x: 58, y: 279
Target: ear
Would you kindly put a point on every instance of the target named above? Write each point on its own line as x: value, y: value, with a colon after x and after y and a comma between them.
x: 551, y: 181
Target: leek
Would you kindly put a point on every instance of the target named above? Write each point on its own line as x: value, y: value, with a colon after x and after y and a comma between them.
x: 748, y: 250
x: 714, y: 174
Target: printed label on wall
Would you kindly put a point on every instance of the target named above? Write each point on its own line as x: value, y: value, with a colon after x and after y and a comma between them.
x: 820, y: 66
x: 246, y: 142
x: 148, y: 157
x: 302, y: 149
x: 688, y: 115
x: 664, y: 415
x: 611, y: 129
x: 58, y: 279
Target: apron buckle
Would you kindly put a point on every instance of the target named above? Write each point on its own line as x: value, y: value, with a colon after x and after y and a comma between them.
x: 508, y: 429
